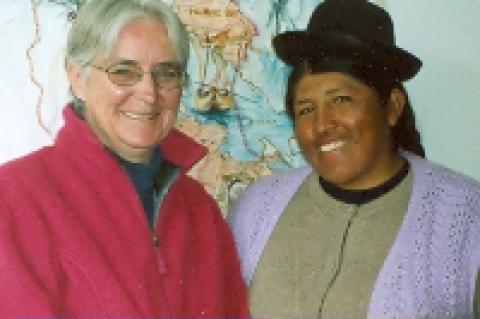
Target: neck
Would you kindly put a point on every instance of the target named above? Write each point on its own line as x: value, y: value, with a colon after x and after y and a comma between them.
x: 392, y: 163
x: 363, y: 196
x: 141, y: 158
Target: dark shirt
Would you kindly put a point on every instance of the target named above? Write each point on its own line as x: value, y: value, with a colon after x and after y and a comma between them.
x: 143, y: 178
x: 360, y: 197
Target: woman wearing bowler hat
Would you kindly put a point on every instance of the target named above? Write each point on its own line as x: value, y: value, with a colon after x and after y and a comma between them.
x: 369, y: 228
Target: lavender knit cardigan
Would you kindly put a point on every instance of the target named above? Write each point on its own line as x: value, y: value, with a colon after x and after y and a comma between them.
x: 431, y: 269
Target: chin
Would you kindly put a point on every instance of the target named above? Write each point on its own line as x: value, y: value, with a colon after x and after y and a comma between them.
x: 143, y: 141
x: 337, y: 177
x: 145, y: 147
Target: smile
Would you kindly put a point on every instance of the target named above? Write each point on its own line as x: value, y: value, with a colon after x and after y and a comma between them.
x: 333, y: 146
x: 139, y: 116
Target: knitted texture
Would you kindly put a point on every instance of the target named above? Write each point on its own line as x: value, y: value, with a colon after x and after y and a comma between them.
x: 431, y: 269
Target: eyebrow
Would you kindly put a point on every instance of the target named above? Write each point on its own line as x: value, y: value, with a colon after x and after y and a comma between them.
x: 330, y: 92
x: 300, y: 101
x: 170, y: 63
x: 342, y: 86
x: 333, y: 91
x: 126, y: 61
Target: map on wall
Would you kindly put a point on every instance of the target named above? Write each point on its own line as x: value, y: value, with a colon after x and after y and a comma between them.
x: 234, y: 102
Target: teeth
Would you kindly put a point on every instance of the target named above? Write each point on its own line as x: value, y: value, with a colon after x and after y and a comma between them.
x: 332, y: 146
x: 139, y: 116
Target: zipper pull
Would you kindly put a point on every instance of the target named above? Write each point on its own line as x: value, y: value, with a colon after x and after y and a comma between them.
x: 156, y: 241
x: 162, y: 268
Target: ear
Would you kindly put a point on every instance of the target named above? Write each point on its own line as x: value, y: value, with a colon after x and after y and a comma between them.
x: 395, y: 106
x: 77, y: 80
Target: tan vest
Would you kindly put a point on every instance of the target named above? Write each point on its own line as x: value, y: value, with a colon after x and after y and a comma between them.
x: 323, y: 256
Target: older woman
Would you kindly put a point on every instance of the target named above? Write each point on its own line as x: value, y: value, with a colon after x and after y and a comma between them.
x: 105, y: 223
x: 368, y: 229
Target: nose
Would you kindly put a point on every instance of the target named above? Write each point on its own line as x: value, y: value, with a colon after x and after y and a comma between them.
x: 147, y: 89
x: 323, y: 118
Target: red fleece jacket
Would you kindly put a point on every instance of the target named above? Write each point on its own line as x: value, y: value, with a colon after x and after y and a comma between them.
x: 75, y: 242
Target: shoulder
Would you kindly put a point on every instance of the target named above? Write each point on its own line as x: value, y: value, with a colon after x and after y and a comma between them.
x: 274, y: 185
x: 444, y: 212
x: 267, y: 196
x: 448, y: 200
x: 188, y: 207
x: 29, y: 166
x: 24, y: 184
x: 191, y: 186
x: 188, y: 192
x: 257, y: 211
x: 444, y: 183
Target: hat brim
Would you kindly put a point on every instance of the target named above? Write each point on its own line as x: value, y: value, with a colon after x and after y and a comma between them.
x: 293, y: 47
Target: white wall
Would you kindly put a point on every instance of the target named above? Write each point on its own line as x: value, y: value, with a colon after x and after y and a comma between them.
x: 445, y: 34
x: 24, y: 110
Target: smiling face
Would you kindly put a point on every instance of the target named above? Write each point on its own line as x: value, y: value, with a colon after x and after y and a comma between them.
x: 130, y: 120
x: 343, y: 130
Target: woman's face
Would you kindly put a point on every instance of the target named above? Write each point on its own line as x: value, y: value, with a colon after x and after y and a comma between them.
x: 130, y: 120
x: 343, y: 130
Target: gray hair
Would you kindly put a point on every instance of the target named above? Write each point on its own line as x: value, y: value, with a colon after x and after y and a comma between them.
x: 99, y: 22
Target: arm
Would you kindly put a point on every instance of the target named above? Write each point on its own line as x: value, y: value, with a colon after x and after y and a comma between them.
x: 28, y: 265
x: 202, y: 269
x: 226, y: 262
x: 476, y: 303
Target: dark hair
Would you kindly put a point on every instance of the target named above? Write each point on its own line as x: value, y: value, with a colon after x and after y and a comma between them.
x: 404, y: 134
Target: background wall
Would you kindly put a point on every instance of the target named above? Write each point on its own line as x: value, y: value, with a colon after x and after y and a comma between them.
x: 251, y: 136
x: 446, y: 93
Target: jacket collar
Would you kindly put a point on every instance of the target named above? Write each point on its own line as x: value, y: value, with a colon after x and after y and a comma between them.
x: 181, y: 150
x: 76, y: 135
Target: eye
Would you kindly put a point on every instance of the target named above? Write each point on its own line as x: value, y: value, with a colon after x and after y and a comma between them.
x: 167, y: 73
x: 124, y: 74
x: 168, y: 70
x: 341, y: 99
x: 304, y: 109
x: 120, y: 69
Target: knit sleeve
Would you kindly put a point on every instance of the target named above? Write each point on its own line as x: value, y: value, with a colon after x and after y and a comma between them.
x: 476, y: 303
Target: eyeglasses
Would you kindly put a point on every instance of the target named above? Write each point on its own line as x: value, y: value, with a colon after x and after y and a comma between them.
x: 166, y: 75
